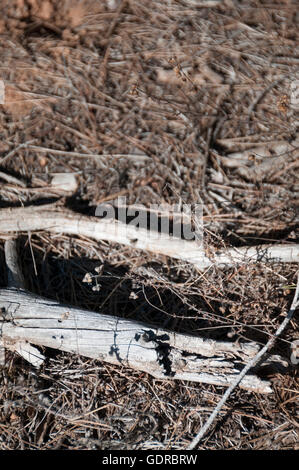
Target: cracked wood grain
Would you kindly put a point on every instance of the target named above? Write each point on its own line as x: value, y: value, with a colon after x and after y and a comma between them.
x: 163, y: 354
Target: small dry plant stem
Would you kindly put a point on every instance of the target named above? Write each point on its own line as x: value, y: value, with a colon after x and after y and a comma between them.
x: 242, y: 374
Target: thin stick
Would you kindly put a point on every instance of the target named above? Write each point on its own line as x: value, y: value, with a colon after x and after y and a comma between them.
x: 87, y: 155
x: 15, y: 150
x: 12, y: 179
x: 263, y: 94
x: 242, y: 374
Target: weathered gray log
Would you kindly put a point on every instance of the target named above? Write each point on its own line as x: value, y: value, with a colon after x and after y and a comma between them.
x: 55, y: 220
x: 27, y: 319
x: 163, y: 354
x: 15, y: 279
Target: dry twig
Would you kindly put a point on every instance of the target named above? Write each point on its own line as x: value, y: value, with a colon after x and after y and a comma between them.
x: 249, y: 366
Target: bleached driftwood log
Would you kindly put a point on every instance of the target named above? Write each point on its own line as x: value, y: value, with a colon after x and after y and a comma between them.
x: 55, y: 220
x: 27, y: 318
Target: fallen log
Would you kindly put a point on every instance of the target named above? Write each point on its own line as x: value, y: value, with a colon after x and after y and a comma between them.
x: 54, y: 220
x: 27, y: 318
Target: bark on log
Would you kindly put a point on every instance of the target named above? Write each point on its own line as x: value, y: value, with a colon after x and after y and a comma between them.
x: 29, y: 318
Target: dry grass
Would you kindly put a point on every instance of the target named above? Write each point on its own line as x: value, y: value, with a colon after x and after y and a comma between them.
x: 185, y: 87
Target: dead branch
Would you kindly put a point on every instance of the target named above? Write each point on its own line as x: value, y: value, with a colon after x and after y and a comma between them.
x: 55, y: 220
x: 87, y: 155
x: 27, y: 318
